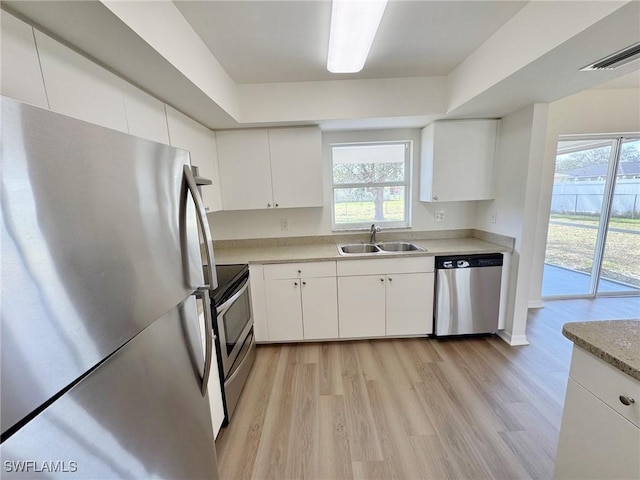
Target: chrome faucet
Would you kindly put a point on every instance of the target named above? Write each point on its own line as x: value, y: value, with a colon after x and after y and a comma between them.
x: 372, y: 233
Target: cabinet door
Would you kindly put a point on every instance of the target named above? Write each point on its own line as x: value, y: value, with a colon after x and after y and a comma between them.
x: 80, y: 88
x: 21, y: 75
x: 146, y: 117
x: 296, y: 167
x: 361, y: 307
x: 284, y: 310
x: 320, y: 308
x: 409, y: 304
x: 245, y: 170
x: 595, y: 441
x: 457, y: 160
x: 200, y: 142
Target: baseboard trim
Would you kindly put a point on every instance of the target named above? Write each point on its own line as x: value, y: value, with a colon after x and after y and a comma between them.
x: 535, y: 304
x: 513, y: 340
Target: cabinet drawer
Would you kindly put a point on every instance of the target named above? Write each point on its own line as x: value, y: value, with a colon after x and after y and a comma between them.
x: 606, y: 382
x: 382, y: 266
x: 299, y: 270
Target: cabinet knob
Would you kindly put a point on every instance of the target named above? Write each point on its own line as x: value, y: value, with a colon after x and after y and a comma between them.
x: 625, y: 400
x: 382, y: 279
x: 435, y: 197
x: 295, y: 283
x: 390, y: 279
x: 277, y: 205
x: 299, y: 271
x: 304, y: 283
x: 268, y: 205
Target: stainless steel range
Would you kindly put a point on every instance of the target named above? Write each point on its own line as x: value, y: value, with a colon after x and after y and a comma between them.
x: 234, y: 330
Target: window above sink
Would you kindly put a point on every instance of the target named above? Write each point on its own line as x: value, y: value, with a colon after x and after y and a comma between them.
x: 371, y: 184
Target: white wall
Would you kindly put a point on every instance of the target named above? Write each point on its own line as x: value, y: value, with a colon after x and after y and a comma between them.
x: 317, y: 221
x: 518, y: 167
x: 591, y: 111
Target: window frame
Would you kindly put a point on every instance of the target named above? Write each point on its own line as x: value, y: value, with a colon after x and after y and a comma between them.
x: 407, y: 184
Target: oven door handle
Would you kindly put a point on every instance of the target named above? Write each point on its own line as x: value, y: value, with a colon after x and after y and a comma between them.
x: 203, y: 293
x: 226, y: 305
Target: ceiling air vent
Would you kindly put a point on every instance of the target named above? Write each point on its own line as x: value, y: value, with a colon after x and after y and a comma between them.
x: 616, y: 60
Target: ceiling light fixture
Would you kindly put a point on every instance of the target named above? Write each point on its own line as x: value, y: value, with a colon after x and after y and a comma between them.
x: 353, y: 26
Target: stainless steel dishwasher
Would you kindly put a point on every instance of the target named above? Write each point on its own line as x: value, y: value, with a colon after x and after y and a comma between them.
x: 467, y: 294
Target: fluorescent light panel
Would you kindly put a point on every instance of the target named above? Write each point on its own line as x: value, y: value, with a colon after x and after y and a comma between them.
x: 353, y: 26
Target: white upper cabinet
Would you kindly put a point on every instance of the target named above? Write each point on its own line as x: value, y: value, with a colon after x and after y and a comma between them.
x: 201, y: 143
x: 245, y: 170
x: 271, y: 168
x: 21, y: 75
x: 80, y: 88
x: 457, y: 160
x: 296, y: 167
x: 146, y: 117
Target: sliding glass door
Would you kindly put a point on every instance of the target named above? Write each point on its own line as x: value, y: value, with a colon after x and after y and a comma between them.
x: 593, y: 244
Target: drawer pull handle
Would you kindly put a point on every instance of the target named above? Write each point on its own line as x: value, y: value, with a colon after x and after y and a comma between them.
x: 626, y: 400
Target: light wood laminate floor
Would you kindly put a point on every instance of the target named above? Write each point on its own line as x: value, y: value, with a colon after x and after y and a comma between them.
x: 467, y: 408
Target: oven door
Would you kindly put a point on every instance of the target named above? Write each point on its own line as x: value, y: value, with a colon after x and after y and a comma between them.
x: 234, y: 323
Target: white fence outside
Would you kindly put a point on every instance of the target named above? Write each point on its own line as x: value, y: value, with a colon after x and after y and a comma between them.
x: 585, y: 198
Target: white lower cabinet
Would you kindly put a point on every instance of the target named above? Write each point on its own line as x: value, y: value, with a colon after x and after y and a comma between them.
x: 284, y: 310
x: 409, y: 303
x: 361, y: 306
x: 319, y: 308
x: 381, y: 305
x: 303, y: 304
x: 599, y: 435
x: 365, y: 298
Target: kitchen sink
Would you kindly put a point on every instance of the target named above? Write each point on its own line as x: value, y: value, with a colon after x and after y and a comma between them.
x: 399, y: 247
x: 378, y: 248
x: 355, y: 248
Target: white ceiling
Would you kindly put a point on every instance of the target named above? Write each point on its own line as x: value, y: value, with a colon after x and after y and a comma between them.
x: 284, y: 41
x: 431, y: 59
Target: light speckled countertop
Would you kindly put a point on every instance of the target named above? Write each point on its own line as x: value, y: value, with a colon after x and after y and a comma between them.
x: 315, y: 252
x: 615, y: 341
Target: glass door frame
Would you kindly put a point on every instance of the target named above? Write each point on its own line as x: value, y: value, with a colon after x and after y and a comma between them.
x: 605, y: 214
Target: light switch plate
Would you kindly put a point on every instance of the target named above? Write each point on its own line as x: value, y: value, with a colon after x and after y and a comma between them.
x: 438, y: 216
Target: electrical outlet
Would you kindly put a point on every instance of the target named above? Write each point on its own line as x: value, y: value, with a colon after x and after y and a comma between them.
x: 438, y: 216
x: 493, y: 217
x: 284, y: 224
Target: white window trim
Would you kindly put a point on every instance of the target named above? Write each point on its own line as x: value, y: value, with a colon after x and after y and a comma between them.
x: 408, y: 165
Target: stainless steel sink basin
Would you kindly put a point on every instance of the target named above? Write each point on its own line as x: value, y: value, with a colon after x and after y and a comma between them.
x: 399, y: 247
x: 355, y: 248
x: 378, y: 248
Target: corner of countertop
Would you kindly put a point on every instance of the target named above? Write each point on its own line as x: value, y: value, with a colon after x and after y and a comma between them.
x: 617, y: 342
x: 503, y: 240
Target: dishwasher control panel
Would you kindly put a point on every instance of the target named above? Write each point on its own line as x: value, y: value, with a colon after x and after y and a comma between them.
x: 467, y: 261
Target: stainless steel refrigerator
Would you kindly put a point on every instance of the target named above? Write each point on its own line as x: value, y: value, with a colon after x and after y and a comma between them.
x: 103, y: 373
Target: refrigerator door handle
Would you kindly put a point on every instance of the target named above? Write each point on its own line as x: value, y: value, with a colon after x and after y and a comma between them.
x: 203, y: 293
x: 204, y: 225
